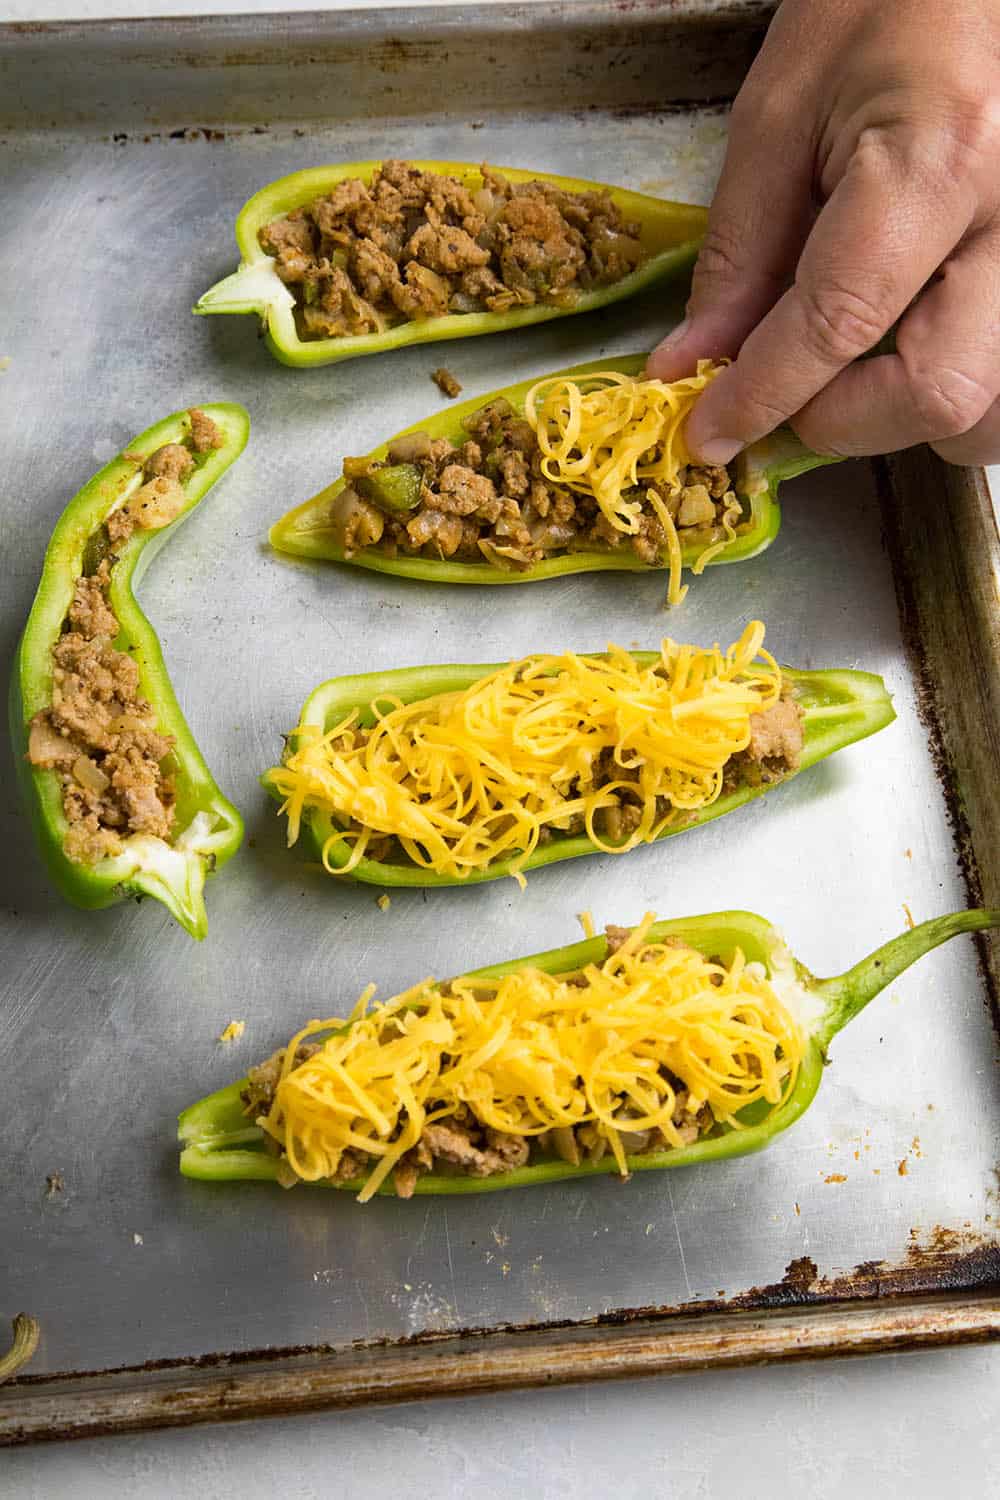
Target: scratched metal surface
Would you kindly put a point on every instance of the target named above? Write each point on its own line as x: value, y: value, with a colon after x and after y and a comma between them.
x: 108, y: 1021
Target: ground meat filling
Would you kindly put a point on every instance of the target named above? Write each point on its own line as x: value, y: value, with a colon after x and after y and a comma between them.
x: 460, y: 1142
x: 488, y: 500
x: 777, y: 738
x: 775, y: 751
x: 412, y: 245
x: 99, y: 734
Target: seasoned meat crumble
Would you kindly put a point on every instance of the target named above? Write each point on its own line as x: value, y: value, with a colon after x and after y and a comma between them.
x: 446, y: 382
x: 413, y: 245
x: 487, y: 499
x: 99, y: 734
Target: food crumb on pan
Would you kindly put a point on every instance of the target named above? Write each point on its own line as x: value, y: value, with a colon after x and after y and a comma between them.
x: 54, y: 1183
x: 835, y: 1177
x: 446, y: 382
x: 137, y: 1239
x: 907, y: 853
x: 233, y: 1031
x: 798, y: 1211
x: 903, y: 1168
x: 384, y: 901
x: 5, y: 362
x: 909, y: 917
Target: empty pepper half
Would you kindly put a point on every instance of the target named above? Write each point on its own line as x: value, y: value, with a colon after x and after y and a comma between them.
x: 346, y: 260
x: 480, y: 494
x: 120, y: 796
x: 679, y: 1042
x: 451, y: 775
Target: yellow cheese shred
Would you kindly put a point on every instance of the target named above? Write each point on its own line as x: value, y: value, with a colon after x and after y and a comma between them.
x: 704, y: 558
x: 466, y: 779
x: 533, y: 1051
x: 607, y: 433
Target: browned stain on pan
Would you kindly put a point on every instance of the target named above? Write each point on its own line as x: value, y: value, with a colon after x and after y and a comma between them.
x: 949, y: 1261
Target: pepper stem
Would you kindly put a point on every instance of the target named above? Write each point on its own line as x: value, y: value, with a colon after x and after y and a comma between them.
x: 846, y: 995
x: 253, y: 288
x: 26, y: 1333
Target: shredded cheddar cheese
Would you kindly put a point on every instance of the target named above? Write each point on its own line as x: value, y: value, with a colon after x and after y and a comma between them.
x: 607, y: 434
x: 233, y: 1031
x: 534, y: 1051
x: 704, y: 558
x: 467, y: 779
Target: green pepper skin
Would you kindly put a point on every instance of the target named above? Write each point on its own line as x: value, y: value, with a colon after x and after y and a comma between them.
x: 305, y: 531
x: 671, y: 235
x: 220, y: 1144
x: 173, y: 874
x: 839, y: 708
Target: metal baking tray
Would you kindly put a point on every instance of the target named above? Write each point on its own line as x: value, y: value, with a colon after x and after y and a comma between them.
x: 127, y: 149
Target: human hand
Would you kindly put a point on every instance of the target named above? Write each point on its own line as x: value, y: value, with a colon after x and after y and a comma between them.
x: 861, y: 185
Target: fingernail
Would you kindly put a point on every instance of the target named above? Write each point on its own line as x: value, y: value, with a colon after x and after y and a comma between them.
x: 718, y: 450
x: 673, y: 339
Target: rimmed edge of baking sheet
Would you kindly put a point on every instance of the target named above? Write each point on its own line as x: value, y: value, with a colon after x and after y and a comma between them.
x: 181, y: 1394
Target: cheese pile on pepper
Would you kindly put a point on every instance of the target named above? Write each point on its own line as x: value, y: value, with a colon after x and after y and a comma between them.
x: 607, y: 434
x: 533, y: 1051
x: 466, y: 779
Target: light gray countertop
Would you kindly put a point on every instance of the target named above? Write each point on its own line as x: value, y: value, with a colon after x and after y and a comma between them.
x: 913, y: 1425
x: 917, y: 1425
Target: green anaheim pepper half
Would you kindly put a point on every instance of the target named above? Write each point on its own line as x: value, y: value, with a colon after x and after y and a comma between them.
x: 839, y: 707
x: 307, y: 531
x: 209, y: 828
x: 220, y: 1144
x: 671, y: 234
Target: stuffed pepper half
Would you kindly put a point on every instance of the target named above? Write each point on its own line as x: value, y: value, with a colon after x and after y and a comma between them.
x: 583, y: 471
x: 674, y: 1043
x: 121, y: 798
x: 354, y: 259
x: 455, y: 774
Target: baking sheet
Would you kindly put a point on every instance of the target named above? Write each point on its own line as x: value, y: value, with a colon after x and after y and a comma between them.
x: 108, y: 1021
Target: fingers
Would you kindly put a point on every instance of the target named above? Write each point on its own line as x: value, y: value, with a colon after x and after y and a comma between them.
x: 758, y: 222
x: 886, y: 228
x: 940, y: 386
x: 980, y: 445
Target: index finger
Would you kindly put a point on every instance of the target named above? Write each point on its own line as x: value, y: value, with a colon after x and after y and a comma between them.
x: 885, y: 229
x: 758, y: 222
